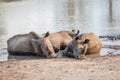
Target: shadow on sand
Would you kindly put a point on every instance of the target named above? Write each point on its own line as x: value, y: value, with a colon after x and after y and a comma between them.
x: 24, y: 57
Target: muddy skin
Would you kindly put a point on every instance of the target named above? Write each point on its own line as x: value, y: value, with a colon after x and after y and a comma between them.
x: 84, y: 44
x: 31, y: 43
x: 62, y: 38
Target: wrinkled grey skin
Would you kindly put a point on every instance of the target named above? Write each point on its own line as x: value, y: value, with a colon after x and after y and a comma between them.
x: 62, y: 38
x: 30, y: 43
x: 84, y: 44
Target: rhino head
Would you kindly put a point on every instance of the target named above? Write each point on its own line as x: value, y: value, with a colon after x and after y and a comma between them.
x: 80, y: 47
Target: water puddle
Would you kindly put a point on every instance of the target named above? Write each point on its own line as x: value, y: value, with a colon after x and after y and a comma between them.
x: 3, y: 55
x: 110, y: 47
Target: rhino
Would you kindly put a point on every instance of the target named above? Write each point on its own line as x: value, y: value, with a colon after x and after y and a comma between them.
x: 84, y: 44
x: 31, y: 43
x: 60, y: 39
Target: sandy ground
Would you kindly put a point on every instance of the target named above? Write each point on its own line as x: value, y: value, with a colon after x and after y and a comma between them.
x: 34, y: 68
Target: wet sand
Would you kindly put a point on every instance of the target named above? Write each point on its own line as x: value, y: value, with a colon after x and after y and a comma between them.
x: 98, y: 68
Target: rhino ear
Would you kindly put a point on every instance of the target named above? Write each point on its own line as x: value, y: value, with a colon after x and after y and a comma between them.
x: 87, y: 41
x: 73, y: 30
x: 76, y: 38
x: 78, y: 31
x: 47, y: 34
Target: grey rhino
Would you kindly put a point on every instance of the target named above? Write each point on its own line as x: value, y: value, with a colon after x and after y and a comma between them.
x: 30, y: 43
x: 61, y: 39
x: 84, y: 44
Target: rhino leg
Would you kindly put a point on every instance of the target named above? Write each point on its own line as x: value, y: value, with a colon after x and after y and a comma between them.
x: 84, y: 51
x: 67, y: 52
x: 47, y: 49
x: 50, y: 49
x: 56, y: 49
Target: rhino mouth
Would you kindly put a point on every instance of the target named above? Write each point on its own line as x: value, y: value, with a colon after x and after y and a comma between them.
x: 78, y: 53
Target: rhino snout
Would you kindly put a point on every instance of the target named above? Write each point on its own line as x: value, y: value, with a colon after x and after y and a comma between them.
x: 78, y: 53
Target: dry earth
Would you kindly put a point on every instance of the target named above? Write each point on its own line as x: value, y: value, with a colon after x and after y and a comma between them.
x: 31, y: 68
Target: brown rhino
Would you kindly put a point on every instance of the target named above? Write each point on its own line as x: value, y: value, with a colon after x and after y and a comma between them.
x: 61, y: 39
x: 30, y: 43
x: 84, y: 44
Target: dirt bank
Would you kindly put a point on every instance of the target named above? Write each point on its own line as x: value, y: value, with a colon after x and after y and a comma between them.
x: 99, y: 68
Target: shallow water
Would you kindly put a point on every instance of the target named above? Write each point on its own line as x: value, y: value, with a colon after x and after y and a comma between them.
x: 23, y: 16
x: 107, y: 50
x: 3, y: 55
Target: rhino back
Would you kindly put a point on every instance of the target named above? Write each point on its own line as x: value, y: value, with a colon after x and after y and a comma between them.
x: 60, y: 39
x: 19, y: 44
x: 55, y: 39
x: 95, y: 43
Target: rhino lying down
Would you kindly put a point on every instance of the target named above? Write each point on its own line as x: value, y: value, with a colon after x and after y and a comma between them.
x: 30, y: 43
x: 84, y: 44
x: 62, y: 38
